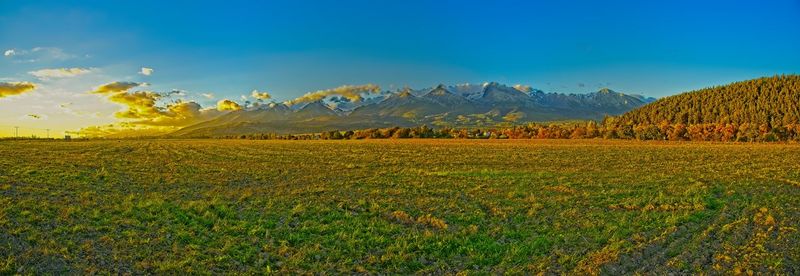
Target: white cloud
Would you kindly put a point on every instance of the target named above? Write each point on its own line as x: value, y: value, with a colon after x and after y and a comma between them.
x: 208, y: 95
x: 45, y: 74
x: 146, y: 71
x: 38, y: 54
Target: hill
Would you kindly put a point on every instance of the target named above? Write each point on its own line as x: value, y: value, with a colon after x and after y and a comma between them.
x: 774, y: 101
x: 484, y: 105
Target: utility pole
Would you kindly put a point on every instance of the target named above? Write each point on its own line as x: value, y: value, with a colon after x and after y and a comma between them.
x: 48, y: 133
x: 16, y: 132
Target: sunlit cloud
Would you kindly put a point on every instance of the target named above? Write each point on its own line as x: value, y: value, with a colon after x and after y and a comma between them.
x: 143, y: 111
x: 119, y: 130
x: 9, y: 52
x: 351, y: 92
x: 171, y: 118
x: 146, y: 71
x: 140, y: 104
x: 228, y: 105
x: 181, y: 114
x: 15, y: 88
x: 115, y: 87
x: 209, y: 96
x: 45, y: 74
x: 522, y: 88
x: 260, y: 95
x: 175, y: 115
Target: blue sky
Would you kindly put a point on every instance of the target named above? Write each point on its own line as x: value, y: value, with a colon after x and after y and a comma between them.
x: 229, y: 48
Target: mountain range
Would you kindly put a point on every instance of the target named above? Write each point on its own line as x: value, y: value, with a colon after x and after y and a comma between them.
x: 468, y: 105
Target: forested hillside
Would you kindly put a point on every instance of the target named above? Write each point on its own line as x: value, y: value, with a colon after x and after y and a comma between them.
x: 774, y: 101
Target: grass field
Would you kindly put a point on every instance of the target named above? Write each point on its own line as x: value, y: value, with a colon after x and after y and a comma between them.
x: 398, y: 206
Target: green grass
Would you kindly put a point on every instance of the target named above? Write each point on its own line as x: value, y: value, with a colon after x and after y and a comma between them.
x: 398, y: 206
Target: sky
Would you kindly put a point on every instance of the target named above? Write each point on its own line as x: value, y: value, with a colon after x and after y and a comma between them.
x: 210, y: 51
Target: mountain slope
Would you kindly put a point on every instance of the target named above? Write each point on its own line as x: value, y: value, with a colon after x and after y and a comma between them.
x: 445, y: 98
x: 313, y: 110
x: 769, y: 100
x: 399, y: 105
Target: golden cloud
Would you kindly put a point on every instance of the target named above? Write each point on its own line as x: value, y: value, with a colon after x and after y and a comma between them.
x: 180, y: 114
x: 59, y: 72
x: 141, y: 104
x: 172, y: 118
x: 523, y: 88
x: 15, y: 88
x: 228, y: 105
x: 122, y: 130
x: 115, y: 87
x: 260, y: 95
x: 142, y: 112
x: 351, y: 92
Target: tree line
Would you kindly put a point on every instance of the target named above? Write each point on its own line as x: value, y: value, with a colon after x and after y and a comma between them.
x: 611, y: 128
